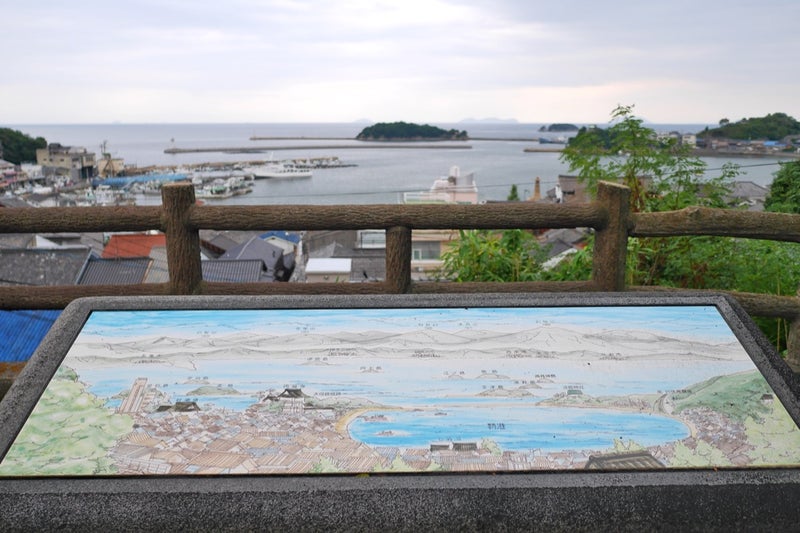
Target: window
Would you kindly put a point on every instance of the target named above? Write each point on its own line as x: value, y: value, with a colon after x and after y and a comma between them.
x: 371, y: 238
x: 425, y: 250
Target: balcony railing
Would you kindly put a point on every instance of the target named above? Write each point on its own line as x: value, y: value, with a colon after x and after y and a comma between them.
x: 181, y: 219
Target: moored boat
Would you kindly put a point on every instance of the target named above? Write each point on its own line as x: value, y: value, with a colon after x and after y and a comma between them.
x: 279, y: 170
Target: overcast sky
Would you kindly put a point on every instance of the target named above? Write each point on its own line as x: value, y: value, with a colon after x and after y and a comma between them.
x: 434, y: 61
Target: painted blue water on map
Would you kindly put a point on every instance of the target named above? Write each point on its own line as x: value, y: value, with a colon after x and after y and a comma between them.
x: 516, y: 428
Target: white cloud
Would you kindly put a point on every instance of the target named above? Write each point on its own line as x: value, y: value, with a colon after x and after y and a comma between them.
x: 431, y: 60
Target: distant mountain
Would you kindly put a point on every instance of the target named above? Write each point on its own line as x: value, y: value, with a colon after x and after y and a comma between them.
x: 555, y: 341
x: 489, y: 120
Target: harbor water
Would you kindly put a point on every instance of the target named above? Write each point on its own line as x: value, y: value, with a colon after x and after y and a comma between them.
x: 378, y: 175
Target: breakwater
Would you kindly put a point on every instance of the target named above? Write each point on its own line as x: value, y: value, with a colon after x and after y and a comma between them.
x: 263, y: 149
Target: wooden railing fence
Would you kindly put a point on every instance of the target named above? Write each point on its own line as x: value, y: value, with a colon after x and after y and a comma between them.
x: 181, y: 219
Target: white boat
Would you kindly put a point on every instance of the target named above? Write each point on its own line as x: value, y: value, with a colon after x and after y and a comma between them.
x: 105, y: 195
x: 279, y: 170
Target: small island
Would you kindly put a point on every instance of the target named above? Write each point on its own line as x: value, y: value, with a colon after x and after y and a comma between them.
x: 406, y: 131
x: 560, y: 128
x: 214, y: 390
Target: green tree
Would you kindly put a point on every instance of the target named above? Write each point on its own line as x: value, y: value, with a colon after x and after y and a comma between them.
x: 483, y: 255
x: 774, y: 126
x: 78, y: 444
x: 784, y: 193
x: 703, y: 455
x: 18, y: 147
x: 661, y: 174
x: 409, y: 131
x: 775, y: 438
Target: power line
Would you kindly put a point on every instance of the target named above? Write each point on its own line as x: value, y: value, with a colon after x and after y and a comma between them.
x: 777, y: 163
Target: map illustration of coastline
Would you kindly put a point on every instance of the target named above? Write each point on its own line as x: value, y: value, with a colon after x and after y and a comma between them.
x: 298, y: 391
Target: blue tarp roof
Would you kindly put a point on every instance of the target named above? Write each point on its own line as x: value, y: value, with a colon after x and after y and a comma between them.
x: 285, y: 235
x: 21, y: 331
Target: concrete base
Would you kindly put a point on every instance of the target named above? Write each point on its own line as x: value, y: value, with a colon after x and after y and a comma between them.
x: 676, y: 501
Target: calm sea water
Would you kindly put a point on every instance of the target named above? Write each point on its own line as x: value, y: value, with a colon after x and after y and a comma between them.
x: 380, y: 175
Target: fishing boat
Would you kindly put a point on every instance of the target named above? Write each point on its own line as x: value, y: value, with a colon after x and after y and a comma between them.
x: 279, y: 170
x: 221, y: 189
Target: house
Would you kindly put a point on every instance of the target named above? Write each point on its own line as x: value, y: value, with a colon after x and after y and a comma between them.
x: 42, y: 266
x: 75, y: 162
x: 8, y: 175
x: 110, y: 167
x: 456, y: 188
x: 689, y: 139
x: 214, y: 244
x: 328, y: 269
x: 278, y: 266
x: 21, y: 330
x: 427, y: 247
x: 366, y: 250
x: 747, y: 194
x: 569, y: 189
x: 180, y: 407
x: 132, y: 244
x: 233, y: 270
x: 638, y: 460
x: 152, y: 246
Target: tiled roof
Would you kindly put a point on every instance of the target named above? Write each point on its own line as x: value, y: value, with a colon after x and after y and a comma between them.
x: 748, y: 189
x: 373, y: 267
x: 159, y: 269
x: 216, y: 243
x: 255, y: 248
x: 278, y: 266
x: 132, y: 245
x: 239, y: 271
x: 17, y: 240
x: 34, y: 266
x: 130, y: 271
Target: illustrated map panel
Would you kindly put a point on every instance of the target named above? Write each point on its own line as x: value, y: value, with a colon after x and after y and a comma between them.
x: 299, y: 391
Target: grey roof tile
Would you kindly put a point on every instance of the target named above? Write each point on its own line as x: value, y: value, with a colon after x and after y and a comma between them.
x: 126, y: 271
x: 238, y: 271
x: 159, y: 269
x: 42, y: 266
